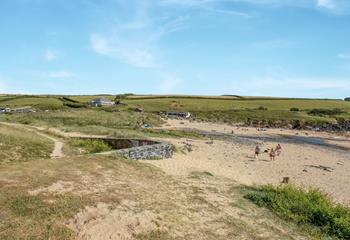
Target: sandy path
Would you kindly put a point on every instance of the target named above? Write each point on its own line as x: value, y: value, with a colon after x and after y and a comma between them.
x: 58, y: 145
x: 302, y: 163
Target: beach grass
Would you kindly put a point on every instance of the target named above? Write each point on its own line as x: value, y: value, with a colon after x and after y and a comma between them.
x: 308, y: 207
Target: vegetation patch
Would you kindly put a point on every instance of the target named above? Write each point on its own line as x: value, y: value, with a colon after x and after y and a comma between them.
x: 90, y: 146
x: 154, y: 235
x: 17, y: 145
x: 198, y: 175
x: 172, y: 133
x: 311, y: 207
x: 322, y: 112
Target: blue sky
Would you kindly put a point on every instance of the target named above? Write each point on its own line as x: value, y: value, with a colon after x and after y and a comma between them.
x: 293, y: 48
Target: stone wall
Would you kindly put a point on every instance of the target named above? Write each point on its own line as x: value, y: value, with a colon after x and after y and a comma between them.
x: 137, y: 148
x: 156, y: 151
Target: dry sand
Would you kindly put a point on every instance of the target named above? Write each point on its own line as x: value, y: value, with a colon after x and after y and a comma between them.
x: 302, y: 163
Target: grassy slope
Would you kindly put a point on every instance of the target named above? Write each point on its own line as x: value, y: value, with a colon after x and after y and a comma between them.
x: 39, y: 102
x: 182, y: 211
x: 87, y: 120
x: 20, y: 145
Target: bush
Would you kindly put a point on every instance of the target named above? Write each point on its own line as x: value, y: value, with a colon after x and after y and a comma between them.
x: 329, y: 112
x: 262, y: 108
x: 91, y: 146
x: 75, y: 105
x: 294, y: 109
x: 310, y: 207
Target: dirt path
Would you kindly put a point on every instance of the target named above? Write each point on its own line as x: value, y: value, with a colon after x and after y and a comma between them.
x: 58, y: 145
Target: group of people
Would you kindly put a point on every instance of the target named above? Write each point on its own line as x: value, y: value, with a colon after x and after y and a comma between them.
x: 273, y: 152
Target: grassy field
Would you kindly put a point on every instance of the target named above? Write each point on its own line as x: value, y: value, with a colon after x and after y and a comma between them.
x: 228, y: 109
x: 21, y: 146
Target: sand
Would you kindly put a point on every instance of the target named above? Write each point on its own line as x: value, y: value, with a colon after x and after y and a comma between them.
x: 308, y: 165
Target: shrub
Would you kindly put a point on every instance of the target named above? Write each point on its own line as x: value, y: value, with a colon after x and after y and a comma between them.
x: 294, y: 109
x: 310, y: 207
x: 330, y: 112
x: 75, y: 105
x: 262, y: 108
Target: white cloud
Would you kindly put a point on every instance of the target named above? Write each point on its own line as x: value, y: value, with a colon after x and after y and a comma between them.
x: 50, y: 55
x: 344, y: 56
x: 326, y: 4
x: 59, y: 74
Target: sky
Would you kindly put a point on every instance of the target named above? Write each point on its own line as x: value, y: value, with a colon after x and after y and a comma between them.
x: 290, y: 48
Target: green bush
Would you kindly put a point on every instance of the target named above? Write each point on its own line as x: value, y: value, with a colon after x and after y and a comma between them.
x: 294, y: 109
x: 329, y: 112
x: 91, y: 146
x: 262, y: 108
x: 310, y: 207
x: 75, y: 105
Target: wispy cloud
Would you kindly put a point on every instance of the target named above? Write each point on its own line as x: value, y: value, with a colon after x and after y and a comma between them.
x: 59, y: 74
x: 215, y: 6
x: 135, y: 40
x: 169, y: 84
x: 332, y: 6
x: 344, y: 56
x: 130, y: 53
x: 50, y: 55
x: 326, y: 4
x: 275, y: 43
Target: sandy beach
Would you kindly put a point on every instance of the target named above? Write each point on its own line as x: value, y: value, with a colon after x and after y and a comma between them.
x: 312, y: 165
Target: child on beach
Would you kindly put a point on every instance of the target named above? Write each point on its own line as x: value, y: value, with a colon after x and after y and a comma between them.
x: 257, y: 151
x: 272, y: 154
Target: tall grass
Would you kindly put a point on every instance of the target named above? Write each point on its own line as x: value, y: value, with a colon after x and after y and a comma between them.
x: 311, y: 207
x: 21, y: 146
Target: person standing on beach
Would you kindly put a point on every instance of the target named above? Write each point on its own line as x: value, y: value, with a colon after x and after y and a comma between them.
x: 272, y: 154
x: 278, y: 149
x: 257, y: 151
